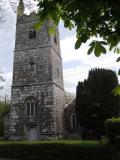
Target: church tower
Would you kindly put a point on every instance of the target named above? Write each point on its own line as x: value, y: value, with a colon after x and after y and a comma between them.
x: 37, y: 88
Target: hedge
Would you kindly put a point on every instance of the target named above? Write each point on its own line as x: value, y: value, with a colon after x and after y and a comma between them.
x: 55, y: 151
x: 113, y: 130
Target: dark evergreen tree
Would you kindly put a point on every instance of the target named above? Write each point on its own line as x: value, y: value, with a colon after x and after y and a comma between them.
x: 94, y: 99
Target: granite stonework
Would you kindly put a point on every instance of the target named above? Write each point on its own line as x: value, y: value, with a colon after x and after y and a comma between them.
x: 38, y: 82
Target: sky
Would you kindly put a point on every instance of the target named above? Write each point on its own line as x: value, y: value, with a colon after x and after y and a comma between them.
x: 76, y: 63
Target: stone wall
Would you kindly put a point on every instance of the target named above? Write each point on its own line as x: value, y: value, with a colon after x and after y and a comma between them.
x: 38, y: 79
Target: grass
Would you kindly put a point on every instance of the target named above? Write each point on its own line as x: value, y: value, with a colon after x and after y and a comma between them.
x: 91, y: 143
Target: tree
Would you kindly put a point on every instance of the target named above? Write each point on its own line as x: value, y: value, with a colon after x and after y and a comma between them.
x: 2, y: 79
x: 91, y: 18
x: 4, y: 109
x: 94, y: 101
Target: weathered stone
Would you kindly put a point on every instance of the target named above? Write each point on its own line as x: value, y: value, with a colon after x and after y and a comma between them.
x: 37, y: 90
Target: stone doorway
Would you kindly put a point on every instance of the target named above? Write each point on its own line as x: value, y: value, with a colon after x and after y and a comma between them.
x: 33, y: 134
x: 31, y: 131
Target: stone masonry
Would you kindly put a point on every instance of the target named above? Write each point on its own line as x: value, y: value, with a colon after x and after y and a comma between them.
x: 37, y: 89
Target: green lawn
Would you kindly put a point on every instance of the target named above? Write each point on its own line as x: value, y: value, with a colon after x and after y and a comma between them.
x: 57, y: 150
x: 86, y: 142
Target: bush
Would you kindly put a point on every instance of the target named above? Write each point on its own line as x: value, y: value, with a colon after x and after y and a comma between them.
x: 113, y: 130
x: 55, y: 151
x: 3, y: 110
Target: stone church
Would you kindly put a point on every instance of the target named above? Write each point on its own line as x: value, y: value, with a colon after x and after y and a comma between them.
x: 37, y: 93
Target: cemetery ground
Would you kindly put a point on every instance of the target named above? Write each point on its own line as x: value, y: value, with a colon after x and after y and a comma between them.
x: 59, y: 150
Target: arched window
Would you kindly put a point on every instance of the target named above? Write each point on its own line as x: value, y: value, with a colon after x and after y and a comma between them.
x: 55, y: 39
x: 31, y: 107
x: 32, y: 33
x: 73, y: 120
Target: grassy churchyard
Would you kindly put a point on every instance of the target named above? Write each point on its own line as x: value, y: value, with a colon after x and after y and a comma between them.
x: 58, y: 150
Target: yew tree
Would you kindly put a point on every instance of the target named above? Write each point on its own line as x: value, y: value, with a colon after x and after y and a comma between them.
x: 94, y: 101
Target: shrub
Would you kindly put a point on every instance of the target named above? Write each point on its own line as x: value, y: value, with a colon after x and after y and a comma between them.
x: 55, y: 151
x: 113, y: 130
x: 4, y: 109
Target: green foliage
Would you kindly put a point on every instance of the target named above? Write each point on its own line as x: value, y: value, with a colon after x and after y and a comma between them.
x: 113, y: 130
x: 119, y: 74
x: 56, y: 150
x: 1, y: 79
x: 94, y: 99
x: 97, y: 47
x: 78, y: 43
x: 116, y: 90
x: 3, y: 110
x: 91, y: 18
x: 118, y: 59
x: 38, y: 26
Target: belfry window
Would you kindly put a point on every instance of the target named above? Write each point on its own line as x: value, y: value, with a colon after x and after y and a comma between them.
x: 73, y: 120
x: 32, y: 33
x: 31, y: 65
x: 31, y: 107
x: 55, y: 39
x: 28, y: 109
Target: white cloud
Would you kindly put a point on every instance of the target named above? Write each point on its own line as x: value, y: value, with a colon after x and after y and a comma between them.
x: 80, y: 71
x: 69, y: 86
x: 7, y: 39
x: 72, y: 73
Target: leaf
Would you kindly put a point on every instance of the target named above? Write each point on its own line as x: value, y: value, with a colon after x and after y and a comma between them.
x: 92, y: 43
x: 38, y: 26
x: 51, y: 30
x: 118, y: 50
x: 84, y: 38
x: 111, y: 47
x: 90, y: 50
x: 68, y: 24
x: 103, y: 50
x: 97, y: 50
x: 78, y: 43
x: 119, y: 72
x: 103, y: 42
x: 115, y: 50
x: 116, y: 90
x: 118, y: 59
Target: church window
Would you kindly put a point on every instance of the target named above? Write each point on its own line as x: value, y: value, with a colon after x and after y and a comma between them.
x: 55, y: 39
x: 73, y: 120
x: 42, y: 98
x: 28, y: 109
x: 32, y: 108
x: 32, y: 65
x: 36, y: 108
x: 32, y: 33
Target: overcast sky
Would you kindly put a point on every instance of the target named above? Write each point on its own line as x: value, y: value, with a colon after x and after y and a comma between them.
x: 76, y: 63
